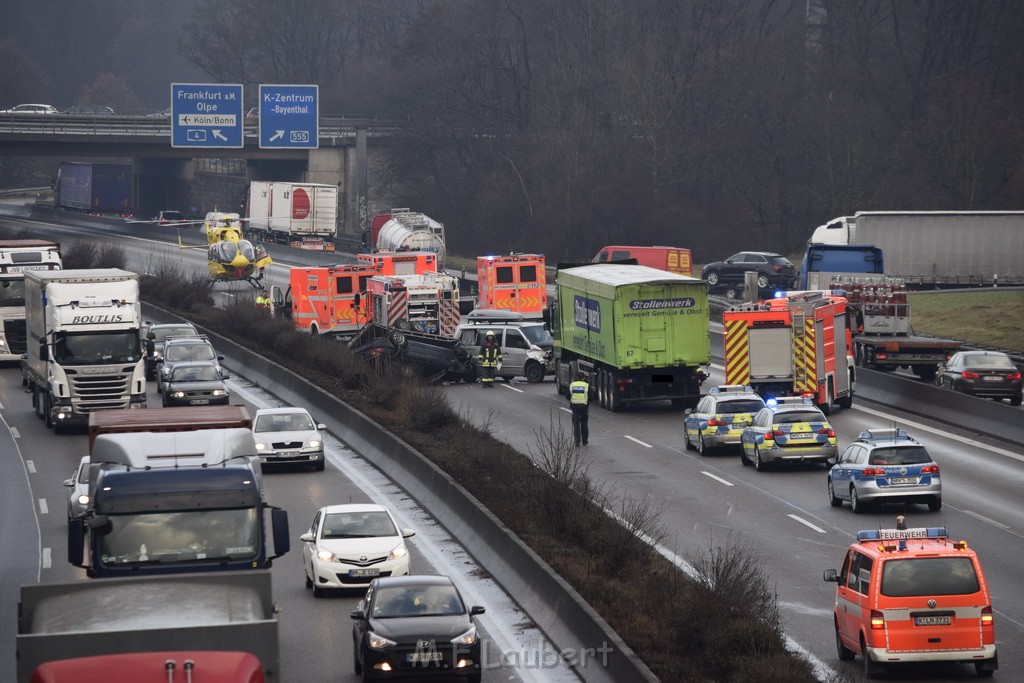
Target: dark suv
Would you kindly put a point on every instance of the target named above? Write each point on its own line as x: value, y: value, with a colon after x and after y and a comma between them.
x: 772, y: 270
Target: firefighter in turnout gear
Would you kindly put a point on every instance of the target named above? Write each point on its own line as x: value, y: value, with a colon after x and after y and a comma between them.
x: 488, y: 359
x: 579, y: 402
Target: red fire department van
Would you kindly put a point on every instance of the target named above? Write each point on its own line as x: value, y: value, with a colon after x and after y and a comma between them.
x: 517, y: 282
x: 401, y: 262
x: 913, y: 595
x: 672, y: 259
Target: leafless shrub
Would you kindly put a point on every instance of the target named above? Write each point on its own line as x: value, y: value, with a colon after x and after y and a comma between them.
x: 110, y: 255
x: 642, y: 517
x: 427, y: 408
x: 171, y: 285
x: 559, y: 457
x: 79, y: 254
x: 734, y: 579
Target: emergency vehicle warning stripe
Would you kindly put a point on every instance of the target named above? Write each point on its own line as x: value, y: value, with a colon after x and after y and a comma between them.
x: 398, y: 308
x: 737, y: 352
x: 810, y: 378
x: 449, y: 317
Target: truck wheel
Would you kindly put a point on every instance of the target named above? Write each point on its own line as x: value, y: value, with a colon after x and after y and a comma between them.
x: 534, y: 373
x: 397, y: 339
x: 47, y: 415
x: 829, y: 405
x: 711, y: 277
x: 614, y: 403
x: 600, y: 389
x: 925, y: 372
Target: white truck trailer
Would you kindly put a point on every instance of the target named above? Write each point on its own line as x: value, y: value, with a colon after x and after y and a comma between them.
x: 938, y: 248
x: 303, y: 215
x: 83, y: 351
x: 16, y: 258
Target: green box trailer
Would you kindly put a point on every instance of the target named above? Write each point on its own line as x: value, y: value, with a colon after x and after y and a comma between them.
x: 638, y: 333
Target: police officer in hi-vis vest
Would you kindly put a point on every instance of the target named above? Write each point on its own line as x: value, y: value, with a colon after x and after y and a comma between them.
x: 488, y: 359
x: 579, y: 402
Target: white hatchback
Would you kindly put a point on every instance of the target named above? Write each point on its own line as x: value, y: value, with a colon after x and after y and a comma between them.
x: 288, y: 435
x: 348, y: 546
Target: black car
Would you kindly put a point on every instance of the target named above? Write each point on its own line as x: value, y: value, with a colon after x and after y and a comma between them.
x: 197, y: 383
x: 415, y: 626
x: 986, y: 374
x: 185, y: 350
x: 155, y: 337
x: 772, y: 270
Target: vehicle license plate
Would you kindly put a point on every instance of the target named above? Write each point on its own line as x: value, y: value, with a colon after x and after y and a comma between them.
x: 932, y: 621
x: 800, y: 436
x: 423, y: 657
x: 902, y: 480
x: 199, y: 401
x: 363, y: 572
x: 993, y: 378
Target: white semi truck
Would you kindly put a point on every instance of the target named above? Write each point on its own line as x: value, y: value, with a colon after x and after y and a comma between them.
x: 83, y: 352
x: 17, y: 257
x: 303, y: 215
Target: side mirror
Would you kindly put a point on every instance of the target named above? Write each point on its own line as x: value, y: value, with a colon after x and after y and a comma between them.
x: 44, y: 352
x: 358, y: 614
x: 220, y: 357
x: 307, y: 537
x: 831, y: 575
x: 320, y: 425
x: 76, y: 541
x: 279, y: 522
x: 69, y: 483
x: 688, y: 411
x: 476, y: 609
x: 406, y: 533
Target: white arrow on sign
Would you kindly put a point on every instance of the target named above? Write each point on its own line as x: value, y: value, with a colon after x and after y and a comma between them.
x: 278, y: 134
x: 217, y: 135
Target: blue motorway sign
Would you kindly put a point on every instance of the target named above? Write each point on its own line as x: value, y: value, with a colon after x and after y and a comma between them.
x: 290, y: 116
x: 208, y: 116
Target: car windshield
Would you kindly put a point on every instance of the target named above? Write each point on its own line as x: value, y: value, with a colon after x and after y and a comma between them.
x: 538, y: 335
x: 927, y: 576
x: 780, y: 261
x: 989, y: 361
x: 168, y: 537
x: 205, y: 373
x: 416, y: 601
x: 172, y: 216
x: 910, y: 455
x: 739, y: 406
x: 97, y: 348
x: 284, y: 422
x: 373, y: 524
x: 12, y: 292
x: 799, y: 416
x: 162, y: 333
x: 179, y: 352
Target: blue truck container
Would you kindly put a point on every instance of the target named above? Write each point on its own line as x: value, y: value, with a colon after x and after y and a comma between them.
x: 106, y: 188
x: 822, y: 262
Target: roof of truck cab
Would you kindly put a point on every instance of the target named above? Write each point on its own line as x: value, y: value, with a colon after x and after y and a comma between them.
x: 167, y: 419
x: 616, y: 274
x: 174, y: 449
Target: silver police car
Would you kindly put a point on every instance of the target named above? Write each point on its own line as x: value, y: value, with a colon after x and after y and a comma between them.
x: 720, y: 417
x: 887, y: 466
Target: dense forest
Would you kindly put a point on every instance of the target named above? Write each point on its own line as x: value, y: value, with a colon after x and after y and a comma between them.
x: 561, y: 126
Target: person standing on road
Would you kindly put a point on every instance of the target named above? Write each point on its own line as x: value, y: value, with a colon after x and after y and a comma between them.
x: 488, y: 359
x: 579, y: 402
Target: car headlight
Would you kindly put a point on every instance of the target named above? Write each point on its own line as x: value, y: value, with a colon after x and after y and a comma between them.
x: 378, y: 642
x: 398, y: 552
x: 177, y: 394
x: 219, y: 392
x: 313, y: 443
x: 261, y: 446
x: 83, y: 499
x: 325, y: 555
x: 467, y: 638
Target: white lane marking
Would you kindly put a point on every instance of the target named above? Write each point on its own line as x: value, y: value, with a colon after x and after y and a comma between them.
x: 31, y: 466
x: 14, y: 431
x: 47, y: 558
x: 28, y: 484
x: 806, y: 523
x: 645, y: 445
x: 718, y: 479
x: 989, y: 520
x: 1, y: 406
x: 43, y: 508
x: 512, y: 388
x: 566, y: 410
x: 948, y: 435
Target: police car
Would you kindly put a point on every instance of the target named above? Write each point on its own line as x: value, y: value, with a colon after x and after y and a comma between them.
x: 912, y: 595
x: 720, y: 417
x: 788, y: 429
x: 885, y: 465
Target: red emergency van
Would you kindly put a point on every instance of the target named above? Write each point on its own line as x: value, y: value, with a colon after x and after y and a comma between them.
x: 672, y: 259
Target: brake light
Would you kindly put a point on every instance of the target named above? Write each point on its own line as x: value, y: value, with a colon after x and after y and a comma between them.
x: 877, y: 619
x: 831, y: 433
x: 1013, y: 375
x: 716, y: 423
x: 930, y: 469
x: 777, y: 269
x: 769, y: 436
x: 779, y: 432
x: 881, y: 356
x: 873, y: 472
x: 971, y: 375
x: 986, y: 616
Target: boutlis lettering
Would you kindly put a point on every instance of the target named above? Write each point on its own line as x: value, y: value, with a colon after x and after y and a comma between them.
x: 96, y: 319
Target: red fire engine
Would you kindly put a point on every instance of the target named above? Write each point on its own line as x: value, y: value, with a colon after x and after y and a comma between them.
x: 792, y: 345
x: 401, y: 262
x: 326, y: 300
x: 427, y: 303
x: 517, y: 282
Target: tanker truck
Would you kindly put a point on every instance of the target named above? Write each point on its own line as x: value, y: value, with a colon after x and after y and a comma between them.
x: 405, y: 230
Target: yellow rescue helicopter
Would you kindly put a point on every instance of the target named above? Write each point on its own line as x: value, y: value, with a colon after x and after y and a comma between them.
x: 231, y: 257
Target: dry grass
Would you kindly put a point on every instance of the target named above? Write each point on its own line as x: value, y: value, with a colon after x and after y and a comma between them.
x: 989, y: 317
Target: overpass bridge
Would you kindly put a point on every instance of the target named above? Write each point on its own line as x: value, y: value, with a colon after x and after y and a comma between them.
x: 197, y: 180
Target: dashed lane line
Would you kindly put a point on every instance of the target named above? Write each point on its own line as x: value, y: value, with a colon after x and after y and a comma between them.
x: 645, y: 445
x: 716, y: 478
x: 806, y: 523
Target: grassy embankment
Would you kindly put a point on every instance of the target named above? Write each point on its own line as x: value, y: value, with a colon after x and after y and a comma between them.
x: 989, y: 317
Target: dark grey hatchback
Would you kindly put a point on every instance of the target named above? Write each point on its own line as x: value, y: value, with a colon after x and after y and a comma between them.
x: 415, y: 626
